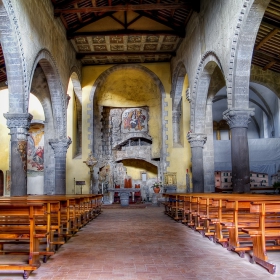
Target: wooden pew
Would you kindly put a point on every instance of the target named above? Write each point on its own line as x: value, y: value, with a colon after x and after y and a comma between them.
x: 23, y: 232
x: 268, y: 229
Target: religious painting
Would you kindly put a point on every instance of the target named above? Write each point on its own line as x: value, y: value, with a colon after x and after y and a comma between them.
x: 35, y: 148
x: 134, y: 120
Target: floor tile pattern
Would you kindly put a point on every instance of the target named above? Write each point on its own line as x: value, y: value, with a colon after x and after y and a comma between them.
x: 144, y: 244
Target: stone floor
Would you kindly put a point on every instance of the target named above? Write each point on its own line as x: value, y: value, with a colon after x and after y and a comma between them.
x: 144, y: 244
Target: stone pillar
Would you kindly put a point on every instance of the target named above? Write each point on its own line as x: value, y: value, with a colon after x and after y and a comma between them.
x: 197, y: 140
x: 176, y: 126
x: 19, y: 124
x: 238, y: 120
x: 60, y: 147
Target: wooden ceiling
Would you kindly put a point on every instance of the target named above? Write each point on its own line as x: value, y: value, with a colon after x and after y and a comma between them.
x: 115, y: 31
x: 129, y: 40
x: 267, y: 46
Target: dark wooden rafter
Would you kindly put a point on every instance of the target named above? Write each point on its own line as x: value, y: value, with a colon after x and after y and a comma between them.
x: 269, y: 65
x: 125, y: 32
x: 267, y: 38
x: 117, y: 20
x: 118, y: 8
x: 78, y: 14
x: 85, y: 23
x: 66, y: 4
x: 161, y: 21
x: 3, y: 70
x: 134, y: 20
x: 96, y: 54
x: 267, y: 56
x: 173, y: 11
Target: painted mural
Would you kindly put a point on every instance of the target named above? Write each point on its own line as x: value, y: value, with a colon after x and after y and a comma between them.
x: 134, y: 120
x: 35, y: 148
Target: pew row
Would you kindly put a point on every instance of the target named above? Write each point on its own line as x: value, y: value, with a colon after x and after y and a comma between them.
x: 41, y: 224
x: 231, y: 220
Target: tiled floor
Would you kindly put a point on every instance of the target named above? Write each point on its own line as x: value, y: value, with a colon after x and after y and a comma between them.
x: 144, y: 244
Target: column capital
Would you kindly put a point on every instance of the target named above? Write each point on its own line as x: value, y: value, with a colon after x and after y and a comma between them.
x: 18, y: 120
x: 238, y: 118
x: 19, y: 124
x: 60, y: 146
x: 197, y: 139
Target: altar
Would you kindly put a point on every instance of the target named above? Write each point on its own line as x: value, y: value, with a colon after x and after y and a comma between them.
x: 124, y: 194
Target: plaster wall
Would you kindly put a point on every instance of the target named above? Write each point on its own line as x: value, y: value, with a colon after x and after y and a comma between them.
x: 4, y: 133
x: 179, y: 157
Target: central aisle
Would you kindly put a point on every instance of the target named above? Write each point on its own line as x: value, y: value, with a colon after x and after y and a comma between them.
x: 144, y: 244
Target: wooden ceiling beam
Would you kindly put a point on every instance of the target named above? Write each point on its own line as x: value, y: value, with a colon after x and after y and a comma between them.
x: 118, y: 21
x: 270, y: 23
x: 269, y: 65
x: 87, y: 22
x: 267, y: 38
x: 163, y: 22
x: 125, y: 32
x: 127, y: 7
x: 66, y: 3
x: 134, y: 20
x: 267, y: 56
x: 78, y: 14
x: 83, y: 55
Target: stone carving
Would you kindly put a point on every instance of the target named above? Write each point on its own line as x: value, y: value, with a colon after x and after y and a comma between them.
x: 115, y: 115
x: 238, y: 117
x: 60, y: 146
x: 197, y: 139
x: 15, y: 120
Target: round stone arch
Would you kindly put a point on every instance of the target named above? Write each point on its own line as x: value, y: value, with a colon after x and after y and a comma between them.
x: 57, y: 94
x: 204, y: 73
x: 242, y: 47
x: 96, y: 86
x: 75, y: 77
x: 178, y: 78
x: 13, y: 51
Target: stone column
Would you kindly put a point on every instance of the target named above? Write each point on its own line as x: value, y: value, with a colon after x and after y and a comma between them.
x: 60, y: 147
x: 238, y: 120
x: 176, y: 126
x: 19, y: 124
x: 197, y: 140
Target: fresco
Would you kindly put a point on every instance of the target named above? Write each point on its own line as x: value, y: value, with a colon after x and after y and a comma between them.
x: 134, y: 120
x: 35, y: 148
